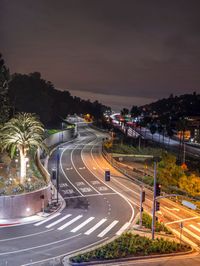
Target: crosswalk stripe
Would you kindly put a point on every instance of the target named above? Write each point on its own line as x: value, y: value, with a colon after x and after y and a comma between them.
x: 70, y: 222
x: 82, y: 225
x: 194, y: 227
x: 122, y: 229
x: 191, y: 233
x: 58, y: 221
x: 105, y: 231
x: 48, y: 219
x: 95, y: 227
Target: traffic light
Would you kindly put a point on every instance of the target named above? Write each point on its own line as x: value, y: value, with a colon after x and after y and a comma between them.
x: 53, y: 174
x: 143, y: 196
x: 158, y: 189
x: 157, y: 206
x: 107, y: 175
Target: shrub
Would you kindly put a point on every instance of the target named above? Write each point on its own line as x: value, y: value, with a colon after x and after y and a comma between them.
x: 129, y: 244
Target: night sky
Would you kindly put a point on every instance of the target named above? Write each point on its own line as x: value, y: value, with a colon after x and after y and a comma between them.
x: 119, y: 52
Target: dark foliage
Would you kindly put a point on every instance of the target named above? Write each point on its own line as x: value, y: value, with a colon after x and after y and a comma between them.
x: 4, y: 101
x: 32, y: 94
x: 176, y: 106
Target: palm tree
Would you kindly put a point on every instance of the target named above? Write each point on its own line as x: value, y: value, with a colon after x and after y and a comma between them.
x: 22, y: 132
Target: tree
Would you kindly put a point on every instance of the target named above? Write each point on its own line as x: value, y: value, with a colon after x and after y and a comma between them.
x: 190, y: 184
x: 124, y: 111
x: 4, y: 100
x: 153, y: 129
x: 169, y: 172
x: 22, y: 132
x: 135, y: 111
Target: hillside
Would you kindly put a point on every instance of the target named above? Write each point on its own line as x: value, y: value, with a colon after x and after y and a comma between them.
x: 176, y: 106
x: 31, y: 93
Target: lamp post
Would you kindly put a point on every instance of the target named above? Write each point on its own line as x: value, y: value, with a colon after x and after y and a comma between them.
x: 156, y: 160
x: 154, y: 201
x: 62, y: 125
x: 57, y: 172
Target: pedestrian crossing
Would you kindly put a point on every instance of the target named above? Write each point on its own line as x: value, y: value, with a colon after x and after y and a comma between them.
x: 86, y: 225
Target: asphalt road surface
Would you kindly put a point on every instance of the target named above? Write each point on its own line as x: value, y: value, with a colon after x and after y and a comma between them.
x: 94, y: 213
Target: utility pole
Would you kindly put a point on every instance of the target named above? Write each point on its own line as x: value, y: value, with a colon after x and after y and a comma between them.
x: 57, y: 172
x: 139, y: 143
x: 154, y: 201
x: 184, y: 152
x: 181, y: 231
x: 142, y: 199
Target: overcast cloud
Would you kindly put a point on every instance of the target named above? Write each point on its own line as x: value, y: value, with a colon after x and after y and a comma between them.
x: 142, y: 49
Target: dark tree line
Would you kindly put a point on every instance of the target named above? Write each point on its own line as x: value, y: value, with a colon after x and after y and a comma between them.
x: 4, y: 100
x: 31, y: 93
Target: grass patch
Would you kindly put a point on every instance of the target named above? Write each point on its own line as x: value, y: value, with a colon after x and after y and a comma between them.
x: 129, y: 244
x: 129, y: 149
x: 147, y: 222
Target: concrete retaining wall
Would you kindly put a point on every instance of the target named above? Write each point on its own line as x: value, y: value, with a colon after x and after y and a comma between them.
x: 60, y: 137
x: 23, y: 205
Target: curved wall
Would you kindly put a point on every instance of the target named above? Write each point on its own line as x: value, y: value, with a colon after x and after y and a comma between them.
x: 24, y: 205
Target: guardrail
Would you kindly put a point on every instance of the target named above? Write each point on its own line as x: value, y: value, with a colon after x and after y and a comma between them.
x: 127, y: 172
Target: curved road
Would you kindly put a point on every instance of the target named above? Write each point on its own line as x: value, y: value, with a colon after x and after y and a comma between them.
x: 94, y: 211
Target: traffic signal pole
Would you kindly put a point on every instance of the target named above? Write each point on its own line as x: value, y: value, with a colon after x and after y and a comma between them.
x: 154, y: 201
x: 142, y: 199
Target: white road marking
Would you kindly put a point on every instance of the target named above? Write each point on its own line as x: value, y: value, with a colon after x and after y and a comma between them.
x: 191, y: 233
x: 70, y: 222
x: 194, y: 227
x: 41, y: 246
x: 91, y: 195
x: 18, y: 237
x: 123, y: 228
x: 66, y: 254
x: 58, y: 221
x: 95, y: 226
x: 105, y: 231
x: 183, y: 220
x: 172, y: 209
x: 82, y: 224
x: 80, y: 174
x: 48, y: 219
x: 65, y: 174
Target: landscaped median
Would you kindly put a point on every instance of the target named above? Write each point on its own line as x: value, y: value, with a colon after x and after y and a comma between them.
x: 130, y: 245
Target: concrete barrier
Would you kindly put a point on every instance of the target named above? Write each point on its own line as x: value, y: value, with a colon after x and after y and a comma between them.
x: 23, y: 205
x: 62, y: 136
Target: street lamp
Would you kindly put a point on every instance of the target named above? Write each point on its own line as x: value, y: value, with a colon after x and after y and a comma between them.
x: 156, y: 160
x: 62, y: 125
x: 55, y: 174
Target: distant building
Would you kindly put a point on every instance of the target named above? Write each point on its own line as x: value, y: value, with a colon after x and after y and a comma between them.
x: 194, y: 128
